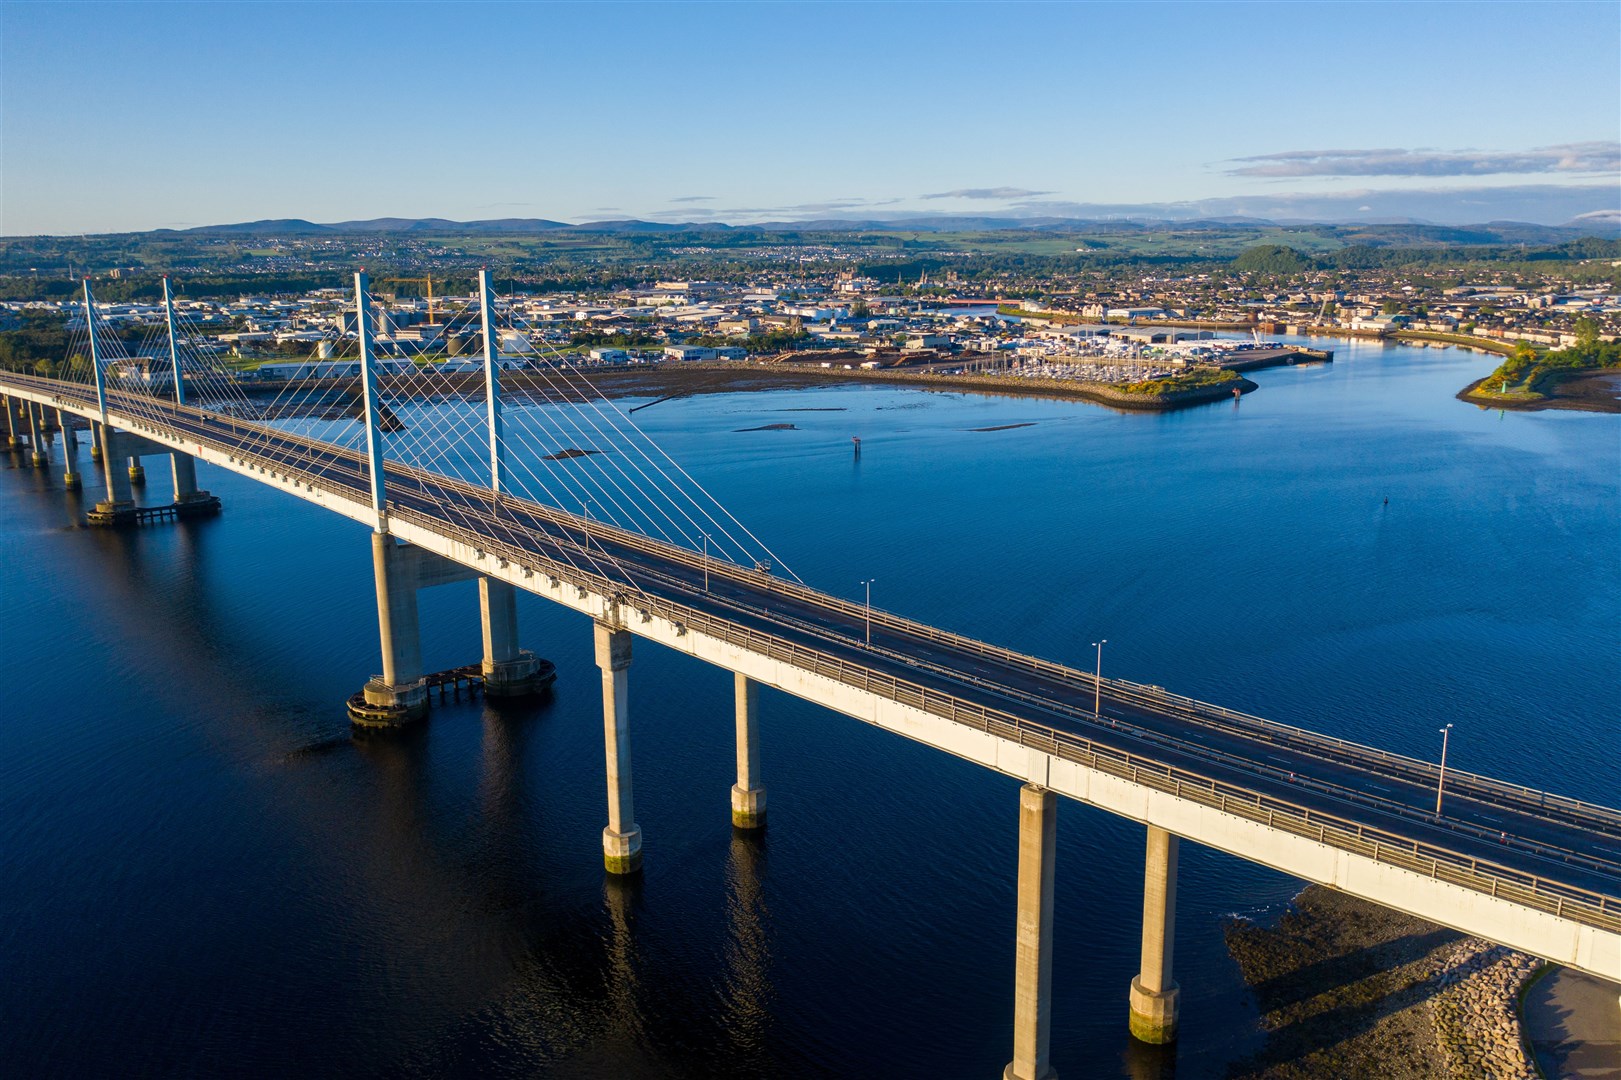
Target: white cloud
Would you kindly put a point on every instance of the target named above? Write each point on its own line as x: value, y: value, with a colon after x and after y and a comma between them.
x: 1584, y: 158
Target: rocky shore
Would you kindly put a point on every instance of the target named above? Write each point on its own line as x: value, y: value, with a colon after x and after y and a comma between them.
x: 1346, y: 988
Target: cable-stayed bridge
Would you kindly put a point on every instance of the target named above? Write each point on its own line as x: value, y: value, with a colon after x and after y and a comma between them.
x: 562, y: 497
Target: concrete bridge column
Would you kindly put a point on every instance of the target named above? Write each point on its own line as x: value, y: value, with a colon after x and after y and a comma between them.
x: 508, y: 670
x: 748, y: 794
x: 184, y: 468
x: 622, y: 839
x: 40, y: 458
x: 401, y: 694
x: 13, y: 424
x: 18, y: 422
x: 1033, y: 950
x: 70, y: 451
x: 98, y: 435
x: 1154, y: 994
x: 70, y: 434
x: 137, y: 472
x: 119, y: 505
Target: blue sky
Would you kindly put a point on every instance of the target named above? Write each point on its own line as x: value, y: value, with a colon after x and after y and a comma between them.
x: 120, y: 116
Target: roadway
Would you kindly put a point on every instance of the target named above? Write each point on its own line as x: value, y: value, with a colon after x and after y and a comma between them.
x: 1523, y: 832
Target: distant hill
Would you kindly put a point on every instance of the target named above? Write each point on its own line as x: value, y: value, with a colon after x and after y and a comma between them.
x: 1401, y: 233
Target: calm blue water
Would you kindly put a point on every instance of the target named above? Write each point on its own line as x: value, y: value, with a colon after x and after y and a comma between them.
x: 201, y: 874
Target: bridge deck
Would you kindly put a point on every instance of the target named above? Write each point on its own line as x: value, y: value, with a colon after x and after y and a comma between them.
x: 1543, y: 852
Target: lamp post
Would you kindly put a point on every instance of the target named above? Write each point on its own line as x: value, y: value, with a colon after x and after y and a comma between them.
x: 1097, y: 678
x: 586, y: 502
x: 706, y: 562
x: 868, y: 584
x: 1440, y: 782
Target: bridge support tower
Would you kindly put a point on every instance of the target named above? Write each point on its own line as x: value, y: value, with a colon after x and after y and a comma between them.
x: 622, y: 839
x: 1033, y: 943
x: 748, y: 794
x: 1155, y: 997
x: 508, y: 670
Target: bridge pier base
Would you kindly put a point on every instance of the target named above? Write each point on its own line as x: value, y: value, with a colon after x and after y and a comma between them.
x: 508, y: 670
x: 622, y: 839
x: 137, y: 473
x: 1032, y: 979
x: 748, y: 794
x: 400, y: 694
x: 1155, y: 997
x: 98, y: 435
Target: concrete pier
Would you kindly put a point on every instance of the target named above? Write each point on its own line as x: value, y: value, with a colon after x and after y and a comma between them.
x: 70, y: 450
x: 137, y: 472
x: 119, y: 505
x: 184, y: 469
x: 622, y: 839
x: 97, y: 437
x: 40, y: 458
x: 748, y: 794
x: 13, y: 423
x: 1154, y: 994
x: 508, y: 670
x: 400, y: 695
x: 1033, y: 950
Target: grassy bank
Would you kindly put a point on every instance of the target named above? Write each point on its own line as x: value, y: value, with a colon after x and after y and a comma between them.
x: 1572, y: 377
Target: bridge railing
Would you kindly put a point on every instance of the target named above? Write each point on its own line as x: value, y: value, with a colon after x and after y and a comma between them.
x: 1484, y: 788
x: 1563, y: 900
x: 1534, y: 891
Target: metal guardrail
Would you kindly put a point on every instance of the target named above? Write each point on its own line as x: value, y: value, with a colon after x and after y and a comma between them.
x: 1530, y: 890
x: 1566, y: 901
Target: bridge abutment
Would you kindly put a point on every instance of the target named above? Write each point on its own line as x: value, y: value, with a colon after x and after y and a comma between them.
x: 1033, y: 947
x: 508, y: 670
x: 622, y: 839
x: 748, y: 794
x: 1155, y: 996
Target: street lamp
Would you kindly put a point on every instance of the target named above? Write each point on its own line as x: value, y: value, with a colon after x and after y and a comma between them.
x: 1441, y: 780
x: 706, y: 562
x: 868, y: 584
x: 1097, y: 678
x: 586, y: 500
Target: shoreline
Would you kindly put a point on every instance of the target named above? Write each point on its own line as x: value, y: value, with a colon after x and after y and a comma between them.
x: 1348, y: 988
x: 665, y: 381
x: 1594, y: 390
